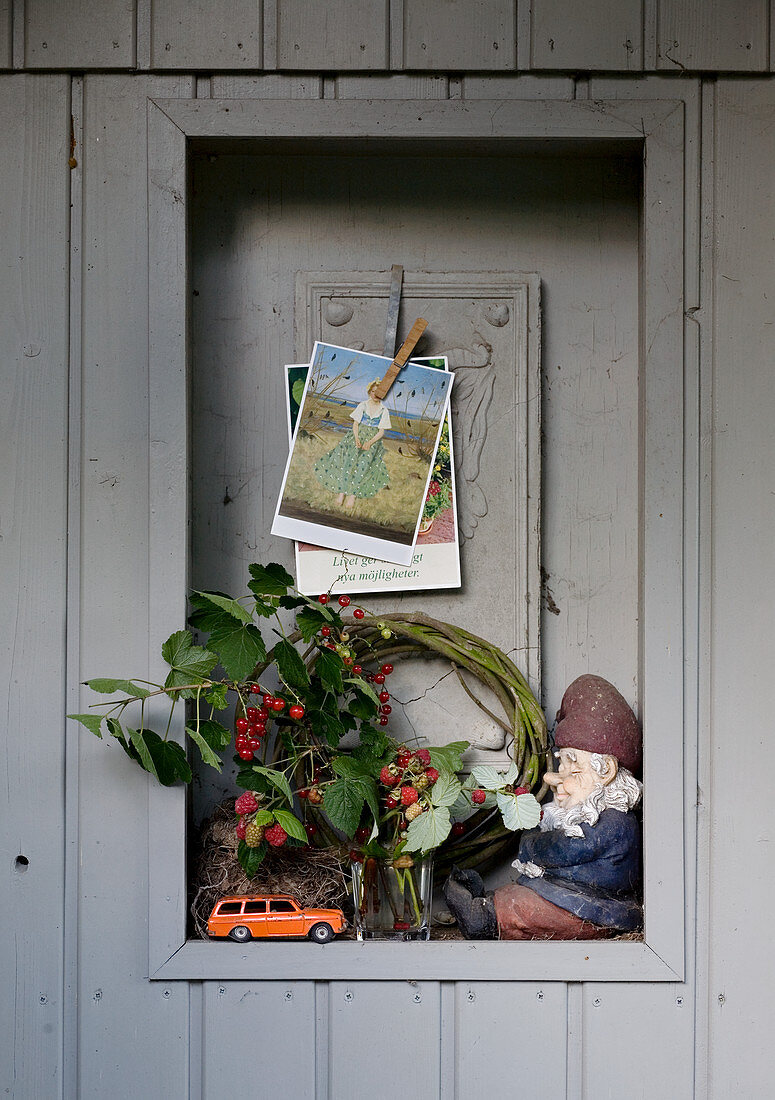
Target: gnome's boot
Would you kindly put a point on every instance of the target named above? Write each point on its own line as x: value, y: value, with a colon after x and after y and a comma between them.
x: 473, y: 911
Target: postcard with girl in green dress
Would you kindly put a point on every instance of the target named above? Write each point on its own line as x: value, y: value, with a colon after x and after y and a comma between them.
x: 360, y: 469
x: 436, y: 559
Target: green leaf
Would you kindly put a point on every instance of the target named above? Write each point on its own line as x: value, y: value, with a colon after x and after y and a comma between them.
x: 291, y: 824
x: 188, y: 663
x: 488, y: 777
x: 269, y: 580
x: 428, y: 830
x: 249, y: 781
x: 93, y: 722
x: 250, y: 859
x: 369, y: 788
x: 277, y: 779
x: 109, y: 687
x: 512, y: 774
x: 292, y: 602
x: 310, y: 619
x: 137, y: 737
x: 329, y: 668
x: 520, y: 811
x: 445, y: 790
x: 225, y: 603
x: 263, y: 817
x: 217, y: 696
x: 266, y: 610
x: 239, y: 646
x: 343, y: 802
x: 168, y: 759
x: 448, y: 758
x: 204, y: 743
x: 362, y: 708
x: 292, y: 669
x: 297, y: 390
x: 362, y: 688
x: 349, y: 768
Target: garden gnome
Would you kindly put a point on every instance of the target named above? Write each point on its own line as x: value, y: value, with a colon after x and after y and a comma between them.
x: 578, y: 873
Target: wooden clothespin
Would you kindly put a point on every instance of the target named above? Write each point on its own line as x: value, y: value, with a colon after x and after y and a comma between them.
x: 403, y: 353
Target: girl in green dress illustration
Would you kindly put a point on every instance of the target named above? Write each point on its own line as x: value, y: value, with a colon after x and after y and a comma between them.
x: 355, y: 467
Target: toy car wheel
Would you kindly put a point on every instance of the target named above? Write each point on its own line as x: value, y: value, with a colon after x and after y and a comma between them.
x: 321, y: 933
x: 241, y: 934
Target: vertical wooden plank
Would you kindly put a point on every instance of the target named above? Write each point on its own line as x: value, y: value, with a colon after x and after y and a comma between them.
x: 456, y: 34
x: 740, y: 960
x: 79, y: 34
x: 259, y: 1035
x: 638, y: 1041
x: 6, y: 51
x: 203, y: 35
x: 604, y: 36
x: 114, y: 893
x: 339, y: 34
x: 33, y: 499
x: 496, y: 1024
x: 266, y: 86
x: 731, y: 37
x: 407, y: 1015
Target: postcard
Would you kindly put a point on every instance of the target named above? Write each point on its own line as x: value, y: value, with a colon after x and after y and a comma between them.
x: 360, y: 469
x: 436, y: 560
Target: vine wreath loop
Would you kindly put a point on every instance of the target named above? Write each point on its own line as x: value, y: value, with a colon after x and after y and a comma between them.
x: 415, y: 634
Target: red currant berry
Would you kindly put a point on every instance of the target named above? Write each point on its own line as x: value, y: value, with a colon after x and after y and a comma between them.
x: 251, y: 730
x: 325, y: 631
x: 303, y: 793
x: 386, y: 709
x: 358, y: 613
x: 296, y: 712
x: 383, y: 719
x: 384, y: 696
x: 252, y: 714
x: 278, y: 704
x: 379, y: 677
x: 245, y: 754
x: 348, y: 661
x: 391, y: 802
x: 344, y: 601
x: 254, y: 744
x: 255, y: 689
x: 323, y: 598
x: 268, y: 699
x: 310, y: 829
x: 263, y: 714
x: 458, y: 828
x: 478, y: 796
x: 386, y: 669
x: 241, y: 725
x: 357, y: 670
x: 362, y: 834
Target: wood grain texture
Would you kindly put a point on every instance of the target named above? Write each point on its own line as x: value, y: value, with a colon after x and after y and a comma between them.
x: 569, y: 35
x: 203, y: 35
x: 741, y: 971
x: 79, y: 34
x: 267, y: 86
x: 393, y: 86
x: 113, y: 857
x: 6, y: 51
x: 731, y: 36
x: 524, y: 86
x: 33, y: 524
x: 456, y: 34
x: 338, y: 34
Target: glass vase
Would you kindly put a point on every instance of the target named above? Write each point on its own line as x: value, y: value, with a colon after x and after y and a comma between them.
x: 392, y: 897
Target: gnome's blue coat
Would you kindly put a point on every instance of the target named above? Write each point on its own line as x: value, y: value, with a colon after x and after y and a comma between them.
x: 596, y: 876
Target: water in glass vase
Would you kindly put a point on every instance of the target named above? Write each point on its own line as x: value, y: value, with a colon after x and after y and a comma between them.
x: 392, y: 897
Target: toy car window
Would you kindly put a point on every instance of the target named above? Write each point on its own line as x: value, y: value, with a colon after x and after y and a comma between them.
x: 230, y: 907
x: 255, y: 906
x: 281, y: 907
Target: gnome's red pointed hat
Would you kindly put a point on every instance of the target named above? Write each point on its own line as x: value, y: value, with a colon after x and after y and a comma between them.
x: 593, y: 716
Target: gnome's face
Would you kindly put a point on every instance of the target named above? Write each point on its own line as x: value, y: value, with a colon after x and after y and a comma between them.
x: 576, y: 778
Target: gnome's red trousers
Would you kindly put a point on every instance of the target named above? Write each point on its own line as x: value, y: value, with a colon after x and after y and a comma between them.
x: 524, y: 915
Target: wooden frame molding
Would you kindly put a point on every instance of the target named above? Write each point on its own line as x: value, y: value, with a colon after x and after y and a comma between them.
x: 657, y: 129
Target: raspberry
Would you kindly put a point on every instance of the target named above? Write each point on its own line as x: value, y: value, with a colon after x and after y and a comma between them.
x: 387, y: 777
x: 521, y: 790
x: 421, y: 783
x: 413, y: 811
x: 478, y: 796
x: 254, y: 834
x: 403, y: 758
x: 246, y: 803
x: 408, y: 796
x: 241, y: 828
x: 431, y: 775
x: 423, y: 756
x: 276, y: 835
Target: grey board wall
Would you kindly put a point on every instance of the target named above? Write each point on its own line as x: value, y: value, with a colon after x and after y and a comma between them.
x: 79, y: 1017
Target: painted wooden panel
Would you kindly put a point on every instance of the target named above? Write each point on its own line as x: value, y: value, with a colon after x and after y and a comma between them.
x: 637, y: 1041
x: 456, y: 34
x: 79, y: 34
x: 203, y: 35
x: 496, y: 1025
x: 113, y: 813
x: 6, y: 7
x: 569, y: 35
x: 731, y: 36
x: 524, y: 86
x: 383, y: 1018
x: 742, y: 898
x: 338, y: 34
x: 258, y: 1035
x: 394, y: 86
x: 267, y: 86
x: 33, y: 523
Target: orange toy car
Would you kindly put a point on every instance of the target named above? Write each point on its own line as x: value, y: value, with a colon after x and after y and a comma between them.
x: 242, y: 918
